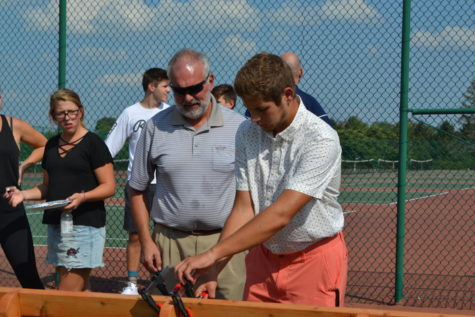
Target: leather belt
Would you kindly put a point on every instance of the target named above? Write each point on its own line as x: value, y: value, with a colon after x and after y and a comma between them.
x: 195, y: 232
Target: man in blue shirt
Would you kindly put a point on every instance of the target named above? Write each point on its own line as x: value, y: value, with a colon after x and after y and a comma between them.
x: 309, y: 101
x: 297, y: 72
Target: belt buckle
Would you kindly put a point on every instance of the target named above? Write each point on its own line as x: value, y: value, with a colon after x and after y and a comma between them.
x: 195, y: 233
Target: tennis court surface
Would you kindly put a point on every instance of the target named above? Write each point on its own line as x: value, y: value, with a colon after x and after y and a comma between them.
x: 438, y: 239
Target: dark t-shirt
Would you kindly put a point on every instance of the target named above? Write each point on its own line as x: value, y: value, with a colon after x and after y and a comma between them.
x: 9, y: 154
x: 74, y: 173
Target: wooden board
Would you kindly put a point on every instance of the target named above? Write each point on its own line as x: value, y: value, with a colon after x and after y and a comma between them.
x: 16, y: 302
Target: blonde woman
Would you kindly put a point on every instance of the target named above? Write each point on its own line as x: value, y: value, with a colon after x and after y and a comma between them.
x: 78, y: 167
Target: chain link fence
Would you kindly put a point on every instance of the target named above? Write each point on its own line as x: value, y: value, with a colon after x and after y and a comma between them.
x: 351, y: 55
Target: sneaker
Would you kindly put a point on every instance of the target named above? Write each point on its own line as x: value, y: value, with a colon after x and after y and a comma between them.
x: 131, y: 289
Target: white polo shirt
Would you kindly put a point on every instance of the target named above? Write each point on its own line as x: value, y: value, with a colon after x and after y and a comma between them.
x: 305, y: 157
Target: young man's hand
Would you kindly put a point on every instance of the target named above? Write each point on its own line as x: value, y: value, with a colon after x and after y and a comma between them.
x: 192, y: 268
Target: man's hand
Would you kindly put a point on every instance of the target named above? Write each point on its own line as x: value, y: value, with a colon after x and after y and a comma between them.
x: 192, y: 268
x: 151, y: 258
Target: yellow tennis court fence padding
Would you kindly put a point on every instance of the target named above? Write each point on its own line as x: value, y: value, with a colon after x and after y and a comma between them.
x: 16, y: 302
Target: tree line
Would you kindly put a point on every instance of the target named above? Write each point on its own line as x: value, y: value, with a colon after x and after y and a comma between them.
x: 449, y: 144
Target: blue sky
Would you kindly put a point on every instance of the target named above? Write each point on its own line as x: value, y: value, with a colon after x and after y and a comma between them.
x: 350, y: 50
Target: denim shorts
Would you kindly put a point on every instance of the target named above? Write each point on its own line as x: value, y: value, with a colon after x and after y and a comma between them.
x: 84, y: 249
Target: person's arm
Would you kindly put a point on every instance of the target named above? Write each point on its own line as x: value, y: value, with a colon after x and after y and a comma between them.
x: 142, y: 173
x: 25, y: 133
x: 317, y: 165
x: 105, y: 189
x: 117, y: 135
x: 263, y: 226
x: 241, y: 213
x: 16, y: 196
x: 259, y: 229
x: 152, y: 259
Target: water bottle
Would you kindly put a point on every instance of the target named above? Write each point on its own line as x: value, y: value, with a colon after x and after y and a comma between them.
x: 66, y: 224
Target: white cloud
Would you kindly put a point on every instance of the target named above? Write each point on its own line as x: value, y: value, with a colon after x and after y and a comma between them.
x: 43, y: 19
x: 102, y: 54
x: 120, y: 79
x: 356, y: 10
x: 224, y: 15
x: 450, y: 36
x: 237, y: 46
x: 94, y: 17
x: 129, y: 14
x: 289, y: 14
x: 312, y: 15
x: 135, y: 15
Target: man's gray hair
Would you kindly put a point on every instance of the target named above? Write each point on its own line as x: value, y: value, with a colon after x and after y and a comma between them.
x: 193, y: 55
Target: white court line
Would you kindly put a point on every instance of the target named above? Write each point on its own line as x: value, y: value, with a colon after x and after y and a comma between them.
x: 422, y: 197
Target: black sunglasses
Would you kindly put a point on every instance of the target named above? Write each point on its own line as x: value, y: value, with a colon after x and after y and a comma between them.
x: 190, y: 90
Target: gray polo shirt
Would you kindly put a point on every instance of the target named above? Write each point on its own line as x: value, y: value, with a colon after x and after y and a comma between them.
x: 194, y: 169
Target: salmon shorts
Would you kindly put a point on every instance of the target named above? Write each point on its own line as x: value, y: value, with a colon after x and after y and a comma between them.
x: 316, y: 275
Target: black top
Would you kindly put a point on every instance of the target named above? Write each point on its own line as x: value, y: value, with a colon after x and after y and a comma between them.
x: 74, y: 173
x: 9, y: 155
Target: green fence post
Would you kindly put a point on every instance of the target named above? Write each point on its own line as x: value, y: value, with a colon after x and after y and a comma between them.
x: 403, y: 144
x: 62, y: 44
x: 61, y: 65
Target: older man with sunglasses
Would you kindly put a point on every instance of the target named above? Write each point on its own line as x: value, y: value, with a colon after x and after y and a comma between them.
x: 190, y: 148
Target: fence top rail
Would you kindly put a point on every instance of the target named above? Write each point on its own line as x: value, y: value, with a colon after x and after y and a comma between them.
x: 442, y: 111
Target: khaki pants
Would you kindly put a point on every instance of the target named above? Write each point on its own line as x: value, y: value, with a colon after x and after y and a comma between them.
x: 176, y: 245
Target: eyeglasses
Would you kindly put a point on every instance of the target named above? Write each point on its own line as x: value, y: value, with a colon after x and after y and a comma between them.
x: 71, y: 113
x: 190, y: 90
